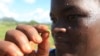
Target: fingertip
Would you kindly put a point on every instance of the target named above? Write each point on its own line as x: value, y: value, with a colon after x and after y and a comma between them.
x: 37, y: 39
x: 20, y: 54
x: 42, y: 28
x: 45, y: 35
x: 26, y: 48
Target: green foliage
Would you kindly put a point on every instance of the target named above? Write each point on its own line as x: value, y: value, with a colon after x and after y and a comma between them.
x: 6, y: 19
x: 4, y: 28
x: 33, y: 22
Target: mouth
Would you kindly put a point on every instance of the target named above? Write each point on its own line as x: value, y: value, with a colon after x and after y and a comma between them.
x: 69, y: 43
x: 66, y: 47
x: 69, y: 47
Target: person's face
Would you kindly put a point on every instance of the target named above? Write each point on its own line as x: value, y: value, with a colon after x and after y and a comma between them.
x: 76, y: 27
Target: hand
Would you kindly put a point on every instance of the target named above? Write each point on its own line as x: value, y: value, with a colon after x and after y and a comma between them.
x: 17, y: 41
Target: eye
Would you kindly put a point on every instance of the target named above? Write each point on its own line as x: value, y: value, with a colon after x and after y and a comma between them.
x: 53, y: 18
x: 74, y: 17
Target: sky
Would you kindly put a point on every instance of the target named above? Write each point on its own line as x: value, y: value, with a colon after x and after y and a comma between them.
x: 26, y: 10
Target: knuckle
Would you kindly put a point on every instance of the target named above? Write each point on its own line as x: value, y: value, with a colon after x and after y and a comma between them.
x: 25, y: 28
x: 43, y: 26
x: 32, y: 29
x: 9, y: 33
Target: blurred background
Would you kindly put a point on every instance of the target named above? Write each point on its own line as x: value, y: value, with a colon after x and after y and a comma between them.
x: 14, y: 12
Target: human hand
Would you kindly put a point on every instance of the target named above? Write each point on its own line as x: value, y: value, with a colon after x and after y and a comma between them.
x: 17, y: 41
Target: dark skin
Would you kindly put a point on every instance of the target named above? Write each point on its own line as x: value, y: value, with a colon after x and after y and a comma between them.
x: 20, y: 41
x: 75, y: 29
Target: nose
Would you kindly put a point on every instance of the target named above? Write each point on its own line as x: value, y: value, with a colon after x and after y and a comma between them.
x: 62, y: 30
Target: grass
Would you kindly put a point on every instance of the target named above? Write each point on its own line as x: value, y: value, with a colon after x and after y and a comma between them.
x: 4, y: 27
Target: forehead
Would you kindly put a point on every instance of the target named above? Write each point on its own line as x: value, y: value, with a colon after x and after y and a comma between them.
x: 87, y: 5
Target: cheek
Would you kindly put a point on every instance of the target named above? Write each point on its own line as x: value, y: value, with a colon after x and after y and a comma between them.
x: 91, y: 27
x: 91, y: 21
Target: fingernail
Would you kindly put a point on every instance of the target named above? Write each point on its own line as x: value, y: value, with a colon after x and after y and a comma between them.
x: 37, y: 39
x: 27, y: 48
x: 20, y: 54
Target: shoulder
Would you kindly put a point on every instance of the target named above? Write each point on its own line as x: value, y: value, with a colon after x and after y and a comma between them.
x: 52, y: 52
